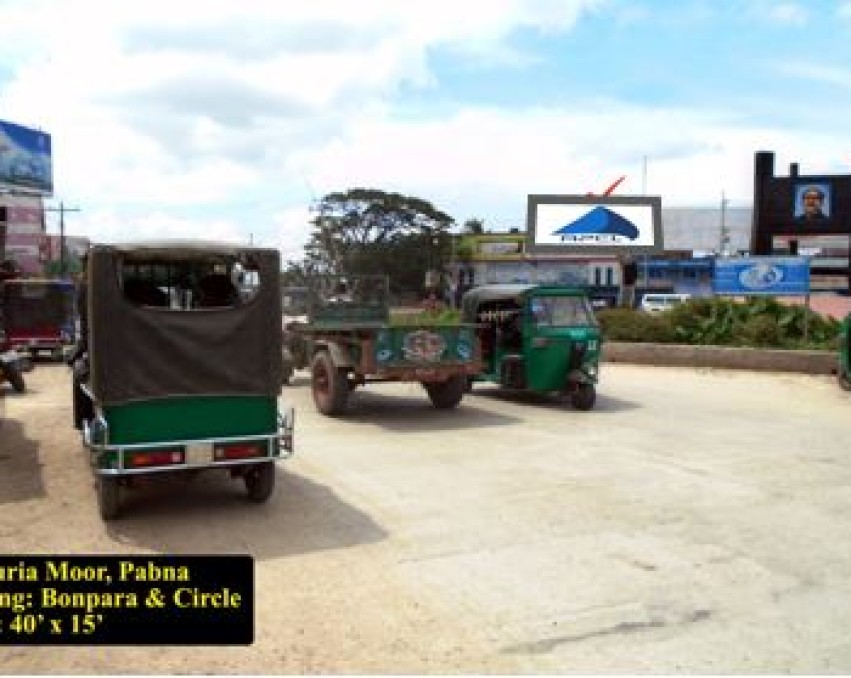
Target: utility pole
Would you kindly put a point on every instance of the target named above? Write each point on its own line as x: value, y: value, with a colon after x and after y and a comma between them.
x: 62, y: 210
x: 724, y: 245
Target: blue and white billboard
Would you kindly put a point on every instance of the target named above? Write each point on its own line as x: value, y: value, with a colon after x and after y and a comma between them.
x: 599, y: 224
x: 26, y: 164
x: 769, y: 276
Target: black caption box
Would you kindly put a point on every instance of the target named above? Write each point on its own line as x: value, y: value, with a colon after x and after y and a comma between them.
x: 126, y: 600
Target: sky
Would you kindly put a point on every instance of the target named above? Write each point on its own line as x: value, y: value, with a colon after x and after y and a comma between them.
x: 229, y: 120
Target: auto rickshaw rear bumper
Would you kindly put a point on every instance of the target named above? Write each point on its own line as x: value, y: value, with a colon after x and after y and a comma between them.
x: 111, y: 459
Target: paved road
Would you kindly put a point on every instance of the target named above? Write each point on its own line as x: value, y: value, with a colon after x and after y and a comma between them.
x: 694, y: 522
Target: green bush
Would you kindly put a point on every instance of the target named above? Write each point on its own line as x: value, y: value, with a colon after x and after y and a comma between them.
x: 623, y: 324
x: 719, y: 321
x: 759, y: 331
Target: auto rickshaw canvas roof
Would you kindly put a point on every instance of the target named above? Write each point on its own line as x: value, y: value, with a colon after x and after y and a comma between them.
x: 179, y: 248
x: 515, y: 292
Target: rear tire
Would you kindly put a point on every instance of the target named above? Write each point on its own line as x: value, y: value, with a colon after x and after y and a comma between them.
x: 14, y: 377
x: 584, y: 397
x: 330, y: 384
x: 260, y: 481
x: 108, y: 497
x: 446, y: 395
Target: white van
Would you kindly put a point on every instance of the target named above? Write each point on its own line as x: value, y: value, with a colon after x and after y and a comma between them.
x: 656, y: 303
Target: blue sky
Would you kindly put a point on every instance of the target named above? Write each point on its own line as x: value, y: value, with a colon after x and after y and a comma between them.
x: 224, y: 119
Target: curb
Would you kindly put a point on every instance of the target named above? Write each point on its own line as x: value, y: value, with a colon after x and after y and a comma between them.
x: 724, y: 357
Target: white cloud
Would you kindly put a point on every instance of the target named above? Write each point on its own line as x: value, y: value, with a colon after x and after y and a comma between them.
x: 793, y: 13
x: 235, y: 120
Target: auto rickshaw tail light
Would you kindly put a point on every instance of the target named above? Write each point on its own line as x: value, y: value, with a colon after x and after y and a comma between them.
x: 237, y: 451
x: 155, y: 458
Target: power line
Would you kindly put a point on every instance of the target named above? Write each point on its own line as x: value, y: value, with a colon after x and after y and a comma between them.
x: 62, y: 209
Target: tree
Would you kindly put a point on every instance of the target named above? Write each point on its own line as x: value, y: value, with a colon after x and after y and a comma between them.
x: 474, y: 226
x: 363, y: 231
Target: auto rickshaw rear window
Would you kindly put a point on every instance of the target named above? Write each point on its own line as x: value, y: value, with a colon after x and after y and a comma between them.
x: 191, y: 284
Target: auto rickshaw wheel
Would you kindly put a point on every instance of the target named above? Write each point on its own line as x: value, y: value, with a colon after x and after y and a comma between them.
x: 260, y: 481
x: 583, y: 397
x: 329, y: 383
x: 446, y: 395
x: 108, y: 497
x: 14, y: 377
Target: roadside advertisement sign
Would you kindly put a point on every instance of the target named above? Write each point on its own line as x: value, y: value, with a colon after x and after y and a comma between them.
x: 25, y: 159
x: 601, y: 224
x: 769, y: 276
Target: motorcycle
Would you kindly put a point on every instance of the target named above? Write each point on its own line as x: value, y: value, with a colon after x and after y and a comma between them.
x: 12, y: 368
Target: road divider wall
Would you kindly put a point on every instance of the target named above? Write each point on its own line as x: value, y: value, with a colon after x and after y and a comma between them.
x: 725, y: 357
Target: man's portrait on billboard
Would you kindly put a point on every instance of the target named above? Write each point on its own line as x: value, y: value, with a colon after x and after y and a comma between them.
x: 812, y: 203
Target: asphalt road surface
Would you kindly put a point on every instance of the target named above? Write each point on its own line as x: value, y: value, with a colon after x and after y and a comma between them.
x: 695, y: 521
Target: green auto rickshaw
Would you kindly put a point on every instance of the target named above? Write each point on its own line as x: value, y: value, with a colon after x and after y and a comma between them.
x: 843, y: 374
x: 537, y: 337
x: 180, y: 367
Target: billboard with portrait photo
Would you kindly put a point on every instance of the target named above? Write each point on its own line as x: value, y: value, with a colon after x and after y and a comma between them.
x: 812, y: 202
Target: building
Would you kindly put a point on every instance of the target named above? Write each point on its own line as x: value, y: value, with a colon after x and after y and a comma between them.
x: 26, y: 243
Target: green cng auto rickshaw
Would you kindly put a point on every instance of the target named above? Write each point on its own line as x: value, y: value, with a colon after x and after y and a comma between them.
x: 181, y: 368
x: 540, y: 338
x: 843, y: 374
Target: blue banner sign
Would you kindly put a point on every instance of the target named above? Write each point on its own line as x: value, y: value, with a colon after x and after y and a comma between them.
x: 25, y: 159
x: 769, y: 276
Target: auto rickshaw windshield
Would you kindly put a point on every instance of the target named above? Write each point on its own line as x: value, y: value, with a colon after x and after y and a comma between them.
x: 564, y: 311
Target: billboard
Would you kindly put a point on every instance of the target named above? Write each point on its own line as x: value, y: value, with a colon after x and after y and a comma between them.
x: 581, y: 224
x: 491, y: 247
x: 770, y: 276
x: 26, y: 163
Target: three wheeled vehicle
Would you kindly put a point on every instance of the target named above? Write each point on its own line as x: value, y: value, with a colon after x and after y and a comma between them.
x: 39, y: 315
x: 183, y: 365
x: 540, y: 338
x: 843, y: 374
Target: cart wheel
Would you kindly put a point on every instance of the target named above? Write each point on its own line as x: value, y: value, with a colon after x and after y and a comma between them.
x: 16, y: 379
x: 446, y: 395
x: 329, y: 383
x: 108, y: 500
x: 844, y: 381
x: 584, y: 397
x: 260, y: 481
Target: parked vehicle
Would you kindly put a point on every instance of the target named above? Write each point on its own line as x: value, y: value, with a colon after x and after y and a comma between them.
x: 183, y: 365
x: 349, y: 341
x: 540, y: 338
x: 657, y: 303
x: 295, y: 302
x: 12, y: 368
x: 13, y: 364
x: 39, y: 315
x: 843, y: 374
